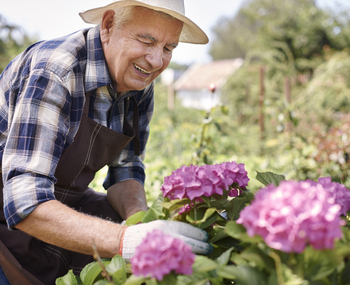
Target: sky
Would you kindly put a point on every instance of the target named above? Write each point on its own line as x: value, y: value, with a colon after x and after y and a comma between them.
x: 48, y: 19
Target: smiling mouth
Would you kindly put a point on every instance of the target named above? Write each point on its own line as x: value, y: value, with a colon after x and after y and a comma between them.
x: 141, y: 69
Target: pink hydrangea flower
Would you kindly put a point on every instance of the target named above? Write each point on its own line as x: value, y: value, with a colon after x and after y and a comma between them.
x: 292, y: 215
x: 234, y: 173
x: 181, y: 182
x: 159, y: 254
x: 184, y: 209
x: 211, y: 179
x: 338, y: 191
x: 193, y: 182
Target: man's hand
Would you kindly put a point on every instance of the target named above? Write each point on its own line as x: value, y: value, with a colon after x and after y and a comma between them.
x: 127, y: 198
x: 193, y: 236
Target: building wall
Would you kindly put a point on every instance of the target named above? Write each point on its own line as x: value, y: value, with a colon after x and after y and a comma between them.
x: 199, y: 99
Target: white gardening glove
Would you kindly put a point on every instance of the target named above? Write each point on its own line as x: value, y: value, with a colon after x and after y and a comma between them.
x: 191, y: 235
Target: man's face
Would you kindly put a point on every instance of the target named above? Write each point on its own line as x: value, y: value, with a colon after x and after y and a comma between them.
x: 140, y: 50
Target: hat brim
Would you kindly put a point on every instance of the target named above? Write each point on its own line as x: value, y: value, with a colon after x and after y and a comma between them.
x: 191, y: 33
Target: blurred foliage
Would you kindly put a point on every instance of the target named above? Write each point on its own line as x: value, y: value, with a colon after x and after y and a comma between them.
x: 296, y: 26
x: 13, y: 40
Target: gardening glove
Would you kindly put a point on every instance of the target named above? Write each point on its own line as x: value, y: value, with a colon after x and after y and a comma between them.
x: 133, y: 236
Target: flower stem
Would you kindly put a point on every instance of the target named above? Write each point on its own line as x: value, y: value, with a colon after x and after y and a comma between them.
x: 278, y: 265
x: 99, y: 261
x: 195, y: 211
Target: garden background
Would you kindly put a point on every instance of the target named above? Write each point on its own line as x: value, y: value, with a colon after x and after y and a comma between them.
x: 296, y: 58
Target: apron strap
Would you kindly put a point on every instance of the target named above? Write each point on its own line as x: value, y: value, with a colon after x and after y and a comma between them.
x: 136, y: 128
x: 128, y: 129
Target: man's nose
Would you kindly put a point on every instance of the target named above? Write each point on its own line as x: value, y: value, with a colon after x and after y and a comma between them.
x: 155, y: 58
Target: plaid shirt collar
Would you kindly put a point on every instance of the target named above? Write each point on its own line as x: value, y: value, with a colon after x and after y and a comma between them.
x: 97, y: 74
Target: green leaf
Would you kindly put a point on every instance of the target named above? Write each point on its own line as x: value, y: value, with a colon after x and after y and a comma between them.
x: 91, y: 271
x: 343, y: 250
x: 152, y: 281
x: 229, y: 242
x: 345, y: 275
x: 183, y: 280
x: 136, y: 218
x: 217, y: 125
x: 201, y: 282
x: 68, y: 279
x: 117, y: 269
x: 225, y: 257
x: 175, y: 204
x: 135, y: 280
x: 191, y: 280
x: 267, y: 178
x: 239, y: 232
x: 221, y: 204
x: 249, y: 196
x: 168, y: 279
x: 242, y: 275
x: 237, y: 206
x: 103, y: 282
x: 235, y: 230
x: 220, y: 234
x: 319, y: 264
x: 208, y: 219
x: 207, y: 200
x: 224, y: 110
x: 195, y: 214
x: 255, y: 255
x: 238, y: 260
x: 227, y: 272
x: 155, y: 212
x: 203, y: 264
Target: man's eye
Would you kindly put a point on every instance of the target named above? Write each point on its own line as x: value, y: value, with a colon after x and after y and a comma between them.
x: 145, y: 42
x: 167, y: 50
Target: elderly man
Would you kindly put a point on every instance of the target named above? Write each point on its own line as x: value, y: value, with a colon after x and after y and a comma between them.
x: 70, y: 106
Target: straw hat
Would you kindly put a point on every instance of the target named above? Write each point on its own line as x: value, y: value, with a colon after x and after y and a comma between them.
x: 191, y: 33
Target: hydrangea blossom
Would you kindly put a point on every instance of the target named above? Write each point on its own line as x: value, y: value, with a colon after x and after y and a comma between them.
x: 195, y: 181
x: 338, y: 191
x: 159, y: 254
x: 234, y: 173
x: 292, y: 215
x: 184, y: 209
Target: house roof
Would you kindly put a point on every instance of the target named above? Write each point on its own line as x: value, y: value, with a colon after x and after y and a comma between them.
x: 200, y: 76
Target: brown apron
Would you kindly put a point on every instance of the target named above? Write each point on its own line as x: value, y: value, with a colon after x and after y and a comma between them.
x: 27, y: 260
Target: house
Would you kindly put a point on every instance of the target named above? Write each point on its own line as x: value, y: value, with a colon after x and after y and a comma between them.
x: 192, y: 88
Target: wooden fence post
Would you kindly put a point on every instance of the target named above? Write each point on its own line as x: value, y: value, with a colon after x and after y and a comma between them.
x: 261, y: 103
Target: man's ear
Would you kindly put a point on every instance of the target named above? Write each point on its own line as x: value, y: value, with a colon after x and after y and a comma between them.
x: 106, y: 25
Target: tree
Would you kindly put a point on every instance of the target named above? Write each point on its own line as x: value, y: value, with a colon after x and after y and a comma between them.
x: 13, y: 40
x: 295, y: 25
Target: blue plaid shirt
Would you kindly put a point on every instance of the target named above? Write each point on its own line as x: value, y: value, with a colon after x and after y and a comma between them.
x: 42, y: 95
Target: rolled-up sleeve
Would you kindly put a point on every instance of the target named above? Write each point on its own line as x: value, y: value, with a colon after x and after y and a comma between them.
x: 38, y: 124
